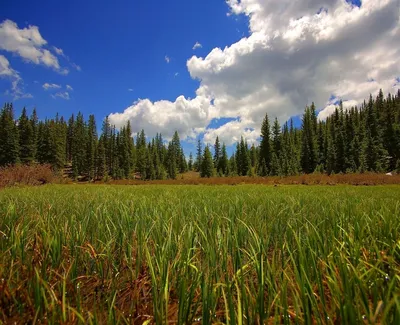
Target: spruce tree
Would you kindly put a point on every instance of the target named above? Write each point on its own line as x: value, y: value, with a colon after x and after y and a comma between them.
x: 223, y: 166
x: 207, y: 165
x: 26, y: 139
x: 190, y: 164
x: 265, y: 147
x: 9, y: 144
x: 198, y: 156
x: 100, y: 159
x: 217, y: 153
x: 91, y: 144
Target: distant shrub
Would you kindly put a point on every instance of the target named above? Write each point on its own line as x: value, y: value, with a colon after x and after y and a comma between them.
x: 26, y: 175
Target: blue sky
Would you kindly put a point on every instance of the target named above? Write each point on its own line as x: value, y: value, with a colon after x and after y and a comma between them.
x: 121, y: 48
x: 134, y: 60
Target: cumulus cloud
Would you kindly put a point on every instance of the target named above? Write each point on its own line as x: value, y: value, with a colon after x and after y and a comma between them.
x: 17, y: 87
x: 197, y: 45
x: 69, y: 88
x: 48, y: 86
x: 167, y: 59
x: 296, y: 52
x: 63, y: 95
x: 187, y: 116
x: 130, y: 89
x: 29, y: 44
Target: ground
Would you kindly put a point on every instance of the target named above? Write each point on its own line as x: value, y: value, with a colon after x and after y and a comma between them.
x: 200, y: 254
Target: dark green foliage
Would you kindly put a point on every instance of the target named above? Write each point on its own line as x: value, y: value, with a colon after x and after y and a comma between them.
x: 190, y: 164
x: 207, y: 164
x: 91, y: 145
x: 9, y: 144
x: 265, y: 148
x: 217, y: 153
x: 199, y: 157
x: 26, y: 139
x: 359, y: 139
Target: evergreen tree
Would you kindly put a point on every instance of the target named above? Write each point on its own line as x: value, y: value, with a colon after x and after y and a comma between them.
x: 34, y: 124
x: 207, y: 165
x: 70, y: 138
x: 100, y: 159
x: 9, y: 144
x: 217, y: 153
x: 91, y: 147
x: 79, y: 146
x: 26, y: 139
x: 265, y: 148
x: 198, y: 156
x: 190, y: 165
x: 223, y: 165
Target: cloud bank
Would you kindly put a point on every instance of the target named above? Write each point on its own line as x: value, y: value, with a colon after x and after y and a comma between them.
x: 296, y: 52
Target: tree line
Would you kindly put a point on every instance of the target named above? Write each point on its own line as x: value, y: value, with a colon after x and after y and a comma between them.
x: 358, y: 139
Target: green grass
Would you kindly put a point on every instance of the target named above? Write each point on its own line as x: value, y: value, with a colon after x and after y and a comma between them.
x: 200, y: 254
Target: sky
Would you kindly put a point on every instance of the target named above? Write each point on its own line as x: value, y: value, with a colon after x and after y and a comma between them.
x: 204, y: 68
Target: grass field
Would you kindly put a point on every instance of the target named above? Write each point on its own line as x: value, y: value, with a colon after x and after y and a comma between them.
x: 249, y: 254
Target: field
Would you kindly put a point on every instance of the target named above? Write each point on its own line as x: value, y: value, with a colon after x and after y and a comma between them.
x: 158, y: 254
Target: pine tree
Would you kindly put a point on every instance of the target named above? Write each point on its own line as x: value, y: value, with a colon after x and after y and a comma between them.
x: 265, y: 148
x: 217, y: 153
x: 309, y: 155
x: 198, y: 156
x: 207, y: 165
x: 223, y: 165
x: 79, y: 146
x: 91, y: 144
x: 190, y: 165
x: 34, y: 124
x: 233, y: 166
x: 26, y: 139
x: 100, y: 159
x: 70, y: 138
x: 171, y: 161
x: 9, y: 144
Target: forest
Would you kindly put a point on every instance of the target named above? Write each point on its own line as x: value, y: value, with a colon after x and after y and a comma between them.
x: 353, y: 140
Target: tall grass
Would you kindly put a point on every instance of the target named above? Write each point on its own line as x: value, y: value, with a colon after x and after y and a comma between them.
x: 246, y: 254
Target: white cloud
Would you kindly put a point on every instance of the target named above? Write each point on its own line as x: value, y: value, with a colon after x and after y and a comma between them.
x: 29, y: 44
x: 176, y: 74
x: 63, y: 95
x: 167, y: 59
x: 197, y: 46
x: 187, y: 116
x: 61, y: 53
x: 230, y: 133
x: 295, y: 53
x: 69, y: 88
x: 130, y: 89
x: 48, y: 86
x: 17, y: 88
x: 5, y: 68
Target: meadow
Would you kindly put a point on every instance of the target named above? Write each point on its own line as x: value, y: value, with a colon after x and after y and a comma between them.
x: 181, y: 254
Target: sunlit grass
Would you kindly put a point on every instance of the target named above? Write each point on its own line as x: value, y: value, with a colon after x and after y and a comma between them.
x: 248, y: 254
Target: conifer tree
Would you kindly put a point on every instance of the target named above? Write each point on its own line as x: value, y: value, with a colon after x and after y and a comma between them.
x: 223, y: 166
x: 100, y: 159
x: 91, y: 147
x: 265, y: 147
x: 199, y: 156
x: 207, y: 165
x: 217, y: 153
x: 26, y: 139
x: 34, y: 124
x: 9, y: 144
x: 190, y: 164
x: 79, y: 146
